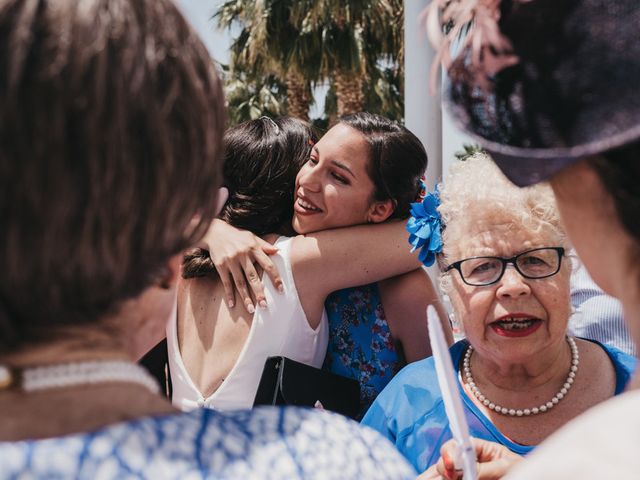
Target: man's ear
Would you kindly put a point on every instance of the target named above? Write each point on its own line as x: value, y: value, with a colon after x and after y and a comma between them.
x: 169, y: 277
x: 380, y: 211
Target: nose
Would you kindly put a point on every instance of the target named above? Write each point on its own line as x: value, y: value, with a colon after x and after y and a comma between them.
x: 309, y: 178
x: 512, y: 284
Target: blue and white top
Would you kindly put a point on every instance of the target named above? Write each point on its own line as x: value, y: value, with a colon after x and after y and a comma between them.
x: 410, y: 410
x: 598, y: 316
x: 264, y: 443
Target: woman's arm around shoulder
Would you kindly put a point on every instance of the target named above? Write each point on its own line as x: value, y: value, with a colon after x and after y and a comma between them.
x: 330, y: 260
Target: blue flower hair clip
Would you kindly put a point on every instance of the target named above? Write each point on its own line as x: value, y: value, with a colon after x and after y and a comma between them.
x: 424, y: 227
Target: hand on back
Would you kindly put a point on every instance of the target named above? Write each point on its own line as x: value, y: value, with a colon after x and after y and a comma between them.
x: 235, y: 254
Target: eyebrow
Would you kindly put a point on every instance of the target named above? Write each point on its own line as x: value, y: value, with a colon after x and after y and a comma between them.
x: 343, y: 167
x: 336, y: 163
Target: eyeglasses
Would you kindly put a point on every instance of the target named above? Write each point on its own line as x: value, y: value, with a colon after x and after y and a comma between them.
x: 537, y: 263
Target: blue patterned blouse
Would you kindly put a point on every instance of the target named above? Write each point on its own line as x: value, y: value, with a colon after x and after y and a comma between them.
x: 360, y: 342
x: 265, y: 443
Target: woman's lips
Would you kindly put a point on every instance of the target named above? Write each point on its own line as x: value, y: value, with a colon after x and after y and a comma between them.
x: 305, y: 207
x: 516, y: 326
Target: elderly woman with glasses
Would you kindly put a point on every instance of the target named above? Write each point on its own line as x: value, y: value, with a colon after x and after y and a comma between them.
x: 505, y: 268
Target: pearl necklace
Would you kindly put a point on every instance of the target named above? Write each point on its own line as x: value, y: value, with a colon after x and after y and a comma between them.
x: 545, y: 407
x: 76, y: 373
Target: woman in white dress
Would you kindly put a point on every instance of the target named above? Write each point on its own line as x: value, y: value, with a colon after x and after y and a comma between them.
x: 216, y: 349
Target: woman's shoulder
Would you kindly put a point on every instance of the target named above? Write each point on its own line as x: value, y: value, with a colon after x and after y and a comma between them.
x: 623, y: 363
x: 422, y: 373
x: 618, y: 357
x: 415, y: 388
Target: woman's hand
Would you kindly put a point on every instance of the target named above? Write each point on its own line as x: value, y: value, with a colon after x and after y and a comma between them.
x: 494, y: 461
x: 234, y: 253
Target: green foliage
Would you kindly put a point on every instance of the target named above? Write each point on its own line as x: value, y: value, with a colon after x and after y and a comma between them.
x: 383, y: 94
x: 253, y: 98
x: 467, y: 151
x: 315, y: 39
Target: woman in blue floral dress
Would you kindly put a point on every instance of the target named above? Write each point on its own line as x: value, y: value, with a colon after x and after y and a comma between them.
x: 376, y: 329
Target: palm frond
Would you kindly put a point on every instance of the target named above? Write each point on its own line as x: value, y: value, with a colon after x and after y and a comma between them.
x: 318, y: 40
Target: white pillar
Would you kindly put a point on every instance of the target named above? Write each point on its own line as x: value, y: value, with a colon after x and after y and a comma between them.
x: 422, y: 111
x: 453, y: 141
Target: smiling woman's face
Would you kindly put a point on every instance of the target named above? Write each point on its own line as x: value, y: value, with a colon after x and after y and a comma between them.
x: 333, y: 189
x: 516, y: 318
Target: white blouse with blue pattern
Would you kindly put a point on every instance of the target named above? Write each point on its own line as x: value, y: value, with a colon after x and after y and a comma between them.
x: 264, y: 443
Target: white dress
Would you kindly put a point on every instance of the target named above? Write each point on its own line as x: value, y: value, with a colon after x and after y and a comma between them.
x: 281, y: 329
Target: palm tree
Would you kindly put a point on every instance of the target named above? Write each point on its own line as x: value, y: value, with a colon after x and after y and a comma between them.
x: 249, y: 98
x: 358, y: 39
x: 355, y: 46
x: 266, y: 46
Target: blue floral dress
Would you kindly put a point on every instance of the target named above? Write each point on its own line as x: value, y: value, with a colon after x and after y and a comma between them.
x: 360, y: 342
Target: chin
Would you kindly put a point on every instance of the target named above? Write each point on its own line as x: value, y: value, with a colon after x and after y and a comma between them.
x: 298, y: 227
x: 295, y: 226
x: 302, y: 228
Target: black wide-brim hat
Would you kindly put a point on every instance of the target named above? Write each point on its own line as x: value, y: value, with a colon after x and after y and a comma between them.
x: 573, y: 93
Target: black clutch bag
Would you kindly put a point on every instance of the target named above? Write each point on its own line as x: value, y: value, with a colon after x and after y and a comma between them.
x: 287, y: 382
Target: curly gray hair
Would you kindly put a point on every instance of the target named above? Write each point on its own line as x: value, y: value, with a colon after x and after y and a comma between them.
x: 476, y: 193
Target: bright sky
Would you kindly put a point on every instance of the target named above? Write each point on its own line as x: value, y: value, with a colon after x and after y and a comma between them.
x: 199, y: 13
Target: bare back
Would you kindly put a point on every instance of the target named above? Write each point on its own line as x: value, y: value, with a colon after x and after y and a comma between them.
x: 210, y: 334
x: 226, y: 347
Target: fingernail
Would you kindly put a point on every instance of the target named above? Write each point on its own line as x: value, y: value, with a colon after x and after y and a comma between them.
x: 281, y: 288
x: 263, y: 303
x: 448, y: 464
x: 230, y: 303
x: 250, y: 308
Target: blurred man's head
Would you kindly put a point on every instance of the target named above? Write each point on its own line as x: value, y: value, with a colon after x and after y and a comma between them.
x: 111, y: 120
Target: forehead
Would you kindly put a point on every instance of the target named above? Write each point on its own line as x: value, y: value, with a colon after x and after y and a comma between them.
x: 499, y: 239
x: 346, y: 145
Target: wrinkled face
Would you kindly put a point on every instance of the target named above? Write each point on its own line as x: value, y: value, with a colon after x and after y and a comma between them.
x: 333, y: 189
x: 516, y: 318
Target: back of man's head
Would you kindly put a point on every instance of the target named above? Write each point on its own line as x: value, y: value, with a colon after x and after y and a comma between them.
x: 111, y: 117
